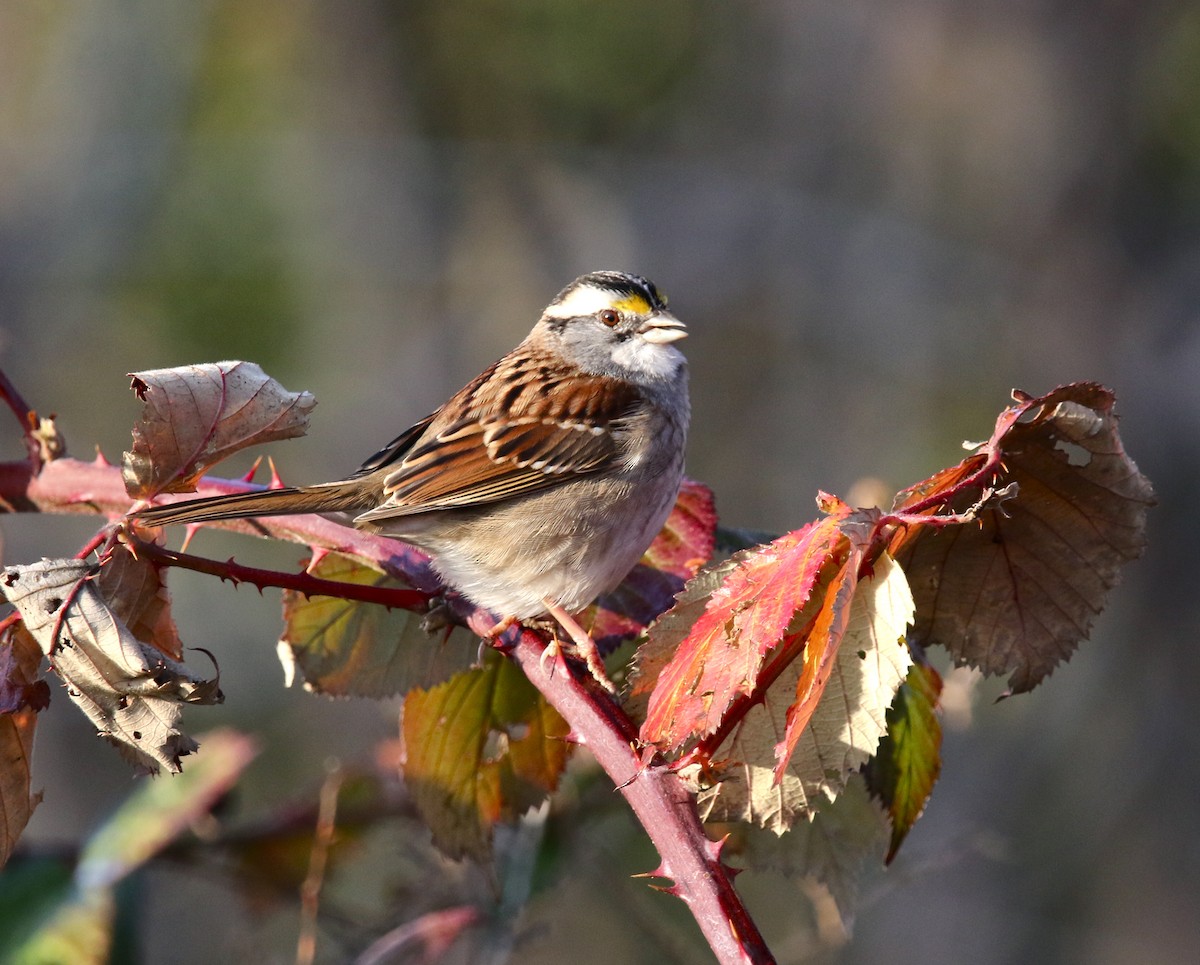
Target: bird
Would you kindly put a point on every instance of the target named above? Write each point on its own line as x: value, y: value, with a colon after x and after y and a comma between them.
x: 539, y: 485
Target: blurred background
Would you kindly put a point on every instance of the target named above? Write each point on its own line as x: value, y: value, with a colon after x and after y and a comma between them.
x: 876, y: 219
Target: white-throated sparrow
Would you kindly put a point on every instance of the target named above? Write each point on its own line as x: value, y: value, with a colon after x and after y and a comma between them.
x: 538, y: 485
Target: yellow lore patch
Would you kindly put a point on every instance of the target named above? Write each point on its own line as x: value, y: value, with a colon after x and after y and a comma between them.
x: 634, y: 304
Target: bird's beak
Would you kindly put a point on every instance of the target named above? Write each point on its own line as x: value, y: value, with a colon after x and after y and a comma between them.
x: 661, y: 328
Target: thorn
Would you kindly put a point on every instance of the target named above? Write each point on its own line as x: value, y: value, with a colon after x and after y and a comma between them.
x: 659, y: 872
x: 714, y: 848
x: 573, y: 737
x: 318, y: 553
x: 231, y: 563
x: 100, y: 460
x: 190, y: 530
x: 276, y: 482
x: 249, y: 477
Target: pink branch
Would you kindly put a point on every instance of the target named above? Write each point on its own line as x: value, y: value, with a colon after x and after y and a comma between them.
x: 663, y: 806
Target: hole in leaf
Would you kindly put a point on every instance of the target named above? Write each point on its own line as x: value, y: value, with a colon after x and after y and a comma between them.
x: 1076, y: 454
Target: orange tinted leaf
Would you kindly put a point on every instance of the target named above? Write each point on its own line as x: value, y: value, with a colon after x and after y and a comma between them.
x: 742, y: 621
x: 481, y: 748
x: 1015, y: 592
x: 196, y: 415
x: 22, y: 694
x: 21, y: 685
x: 820, y: 650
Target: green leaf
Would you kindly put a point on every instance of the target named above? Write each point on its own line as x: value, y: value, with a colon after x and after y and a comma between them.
x: 348, y: 648
x: 483, y: 747
x: 903, y: 772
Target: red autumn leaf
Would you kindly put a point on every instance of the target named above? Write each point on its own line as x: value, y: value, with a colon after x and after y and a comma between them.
x: 742, y: 621
x: 742, y: 775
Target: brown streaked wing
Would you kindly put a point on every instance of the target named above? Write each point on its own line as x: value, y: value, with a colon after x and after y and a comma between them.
x: 513, y: 441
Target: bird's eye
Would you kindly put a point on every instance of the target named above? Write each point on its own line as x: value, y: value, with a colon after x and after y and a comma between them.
x: 609, y: 317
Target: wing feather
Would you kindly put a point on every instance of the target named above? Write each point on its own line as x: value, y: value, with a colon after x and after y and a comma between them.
x: 522, y: 426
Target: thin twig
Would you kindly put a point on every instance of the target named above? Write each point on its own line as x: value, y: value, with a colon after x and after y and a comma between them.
x: 25, y: 417
x: 310, y: 890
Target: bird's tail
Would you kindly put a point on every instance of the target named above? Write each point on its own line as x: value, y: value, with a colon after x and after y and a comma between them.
x: 349, y: 496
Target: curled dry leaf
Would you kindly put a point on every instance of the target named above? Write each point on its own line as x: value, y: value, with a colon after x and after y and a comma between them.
x: 196, y: 415
x: 1017, y: 591
x: 135, y: 590
x: 130, y: 691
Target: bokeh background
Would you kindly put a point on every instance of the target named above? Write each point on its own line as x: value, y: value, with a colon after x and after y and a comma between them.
x: 876, y: 217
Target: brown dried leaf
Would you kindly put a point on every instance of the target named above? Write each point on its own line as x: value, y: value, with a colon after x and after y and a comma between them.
x: 196, y: 415
x: 135, y: 590
x: 130, y: 691
x: 22, y: 694
x: 1016, y: 592
x: 16, y: 800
